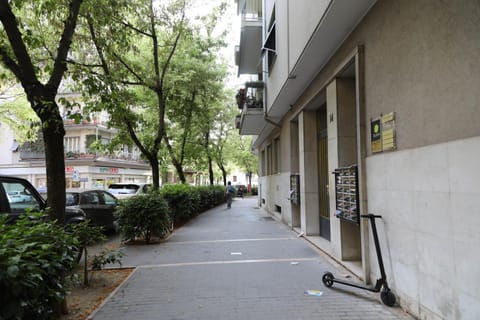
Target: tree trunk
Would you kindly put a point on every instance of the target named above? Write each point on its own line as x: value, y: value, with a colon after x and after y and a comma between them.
x: 53, y: 135
x: 209, y: 157
x: 181, y: 174
x: 210, y: 171
x: 224, y: 174
x: 154, y: 163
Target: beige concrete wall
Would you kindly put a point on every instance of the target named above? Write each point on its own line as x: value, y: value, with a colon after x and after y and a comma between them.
x: 294, y: 26
x: 278, y: 74
x: 422, y: 61
x: 302, y: 20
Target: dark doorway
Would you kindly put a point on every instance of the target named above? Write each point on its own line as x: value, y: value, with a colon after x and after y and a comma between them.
x: 322, y: 141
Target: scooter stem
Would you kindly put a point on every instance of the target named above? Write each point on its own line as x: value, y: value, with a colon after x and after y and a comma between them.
x: 377, y: 244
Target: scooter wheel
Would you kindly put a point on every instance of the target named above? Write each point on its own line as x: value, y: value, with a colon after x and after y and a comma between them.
x: 388, y: 298
x: 327, y: 279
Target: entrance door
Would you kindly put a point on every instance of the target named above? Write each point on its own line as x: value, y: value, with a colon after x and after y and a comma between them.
x: 324, y: 207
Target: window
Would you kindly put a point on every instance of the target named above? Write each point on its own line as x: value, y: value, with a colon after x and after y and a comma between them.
x: 276, y: 158
x: 109, y: 200
x: 20, y: 198
x: 263, y: 170
x: 270, y: 45
x: 72, y: 144
x: 269, y: 160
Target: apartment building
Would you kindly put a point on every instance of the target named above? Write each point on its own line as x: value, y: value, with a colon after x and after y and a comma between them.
x: 371, y: 106
x: 85, y: 168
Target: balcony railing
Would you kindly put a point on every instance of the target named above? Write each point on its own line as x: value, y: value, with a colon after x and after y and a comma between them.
x: 250, y: 101
x: 250, y: 8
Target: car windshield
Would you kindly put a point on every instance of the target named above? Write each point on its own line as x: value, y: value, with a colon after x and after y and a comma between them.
x: 72, y: 199
x: 123, y: 188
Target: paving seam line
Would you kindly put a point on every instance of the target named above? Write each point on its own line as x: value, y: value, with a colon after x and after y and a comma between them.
x: 201, y: 263
x: 231, y: 240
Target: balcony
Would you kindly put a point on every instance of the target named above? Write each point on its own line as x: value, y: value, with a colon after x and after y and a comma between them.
x: 250, y: 100
x: 248, y: 53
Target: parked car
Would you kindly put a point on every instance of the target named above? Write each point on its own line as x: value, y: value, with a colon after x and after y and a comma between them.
x: 98, y: 206
x: 18, y: 195
x: 127, y: 190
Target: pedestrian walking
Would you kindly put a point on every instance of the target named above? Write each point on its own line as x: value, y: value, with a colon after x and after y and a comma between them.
x: 229, y: 191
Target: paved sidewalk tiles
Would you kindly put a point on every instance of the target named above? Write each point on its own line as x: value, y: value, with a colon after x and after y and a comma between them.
x: 236, y: 264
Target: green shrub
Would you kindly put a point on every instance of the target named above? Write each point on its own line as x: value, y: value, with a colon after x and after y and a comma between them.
x: 143, y: 216
x: 183, y: 201
x: 107, y: 256
x: 254, y: 191
x: 87, y: 235
x: 34, y: 257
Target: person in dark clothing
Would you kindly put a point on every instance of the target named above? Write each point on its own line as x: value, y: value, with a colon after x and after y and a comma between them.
x: 229, y: 191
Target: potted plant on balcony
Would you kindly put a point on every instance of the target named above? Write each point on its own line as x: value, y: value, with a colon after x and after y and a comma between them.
x: 240, y: 98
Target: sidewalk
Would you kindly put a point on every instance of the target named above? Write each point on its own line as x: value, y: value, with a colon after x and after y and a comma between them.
x: 238, y: 264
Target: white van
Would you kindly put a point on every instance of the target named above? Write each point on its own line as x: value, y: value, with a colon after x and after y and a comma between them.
x: 127, y: 190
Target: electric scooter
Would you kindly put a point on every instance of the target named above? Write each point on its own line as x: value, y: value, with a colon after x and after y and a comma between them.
x: 388, y: 298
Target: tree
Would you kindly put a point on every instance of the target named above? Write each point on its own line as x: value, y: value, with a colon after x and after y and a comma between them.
x: 133, y: 46
x: 245, y: 158
x: 34, y: 48
x: 149, y: 68
x: 196, y: 95
x: 223, y: 150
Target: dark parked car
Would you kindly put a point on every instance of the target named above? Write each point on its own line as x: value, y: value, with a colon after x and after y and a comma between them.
x: 98, y: 206
x: 18, y: 195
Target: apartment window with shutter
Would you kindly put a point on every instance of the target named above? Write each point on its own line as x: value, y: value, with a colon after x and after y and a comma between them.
x: 270, y: 46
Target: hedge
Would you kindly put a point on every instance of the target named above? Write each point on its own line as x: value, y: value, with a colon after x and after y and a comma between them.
x: 34, y: 256
x: 185, y: 201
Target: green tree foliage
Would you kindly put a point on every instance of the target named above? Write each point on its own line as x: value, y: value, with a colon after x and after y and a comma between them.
x: 197, y: 96
x: 126, y: 68
x: 157, y: 74
x: 222, y: 150
x: 35, y: 38
x: 15, y: 111
x: 244, y: 157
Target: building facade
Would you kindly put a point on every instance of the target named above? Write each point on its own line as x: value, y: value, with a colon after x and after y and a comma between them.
x: 370, y: 106
x: 85, y: 168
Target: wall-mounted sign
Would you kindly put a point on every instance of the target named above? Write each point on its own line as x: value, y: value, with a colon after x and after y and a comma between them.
x: 376, y: 135
x: 108, y: 170
x: 388, y: 132
x: 382, y: 133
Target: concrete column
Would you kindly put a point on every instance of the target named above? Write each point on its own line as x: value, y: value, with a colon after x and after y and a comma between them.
x: 308, y: 165
x: 341, y: 112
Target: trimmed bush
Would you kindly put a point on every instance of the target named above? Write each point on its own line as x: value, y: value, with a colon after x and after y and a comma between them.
x: 183, y: 201
x: 34, y: 257
x: 143, y: 216
x: 210, y: 196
